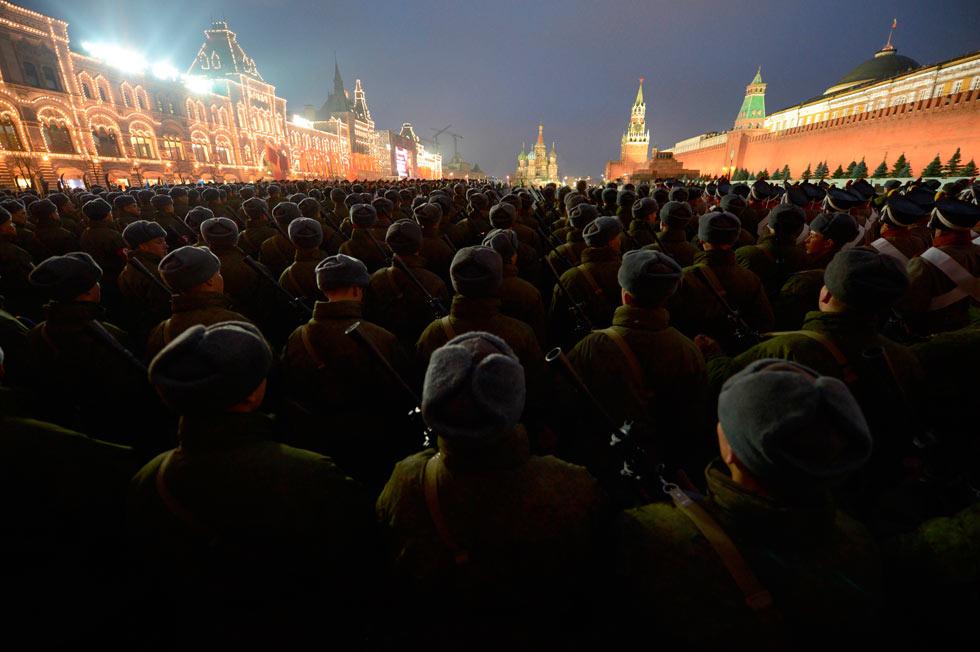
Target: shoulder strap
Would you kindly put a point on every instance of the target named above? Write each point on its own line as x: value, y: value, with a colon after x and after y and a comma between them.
x: 447, y: 327
x: 430, y: 484
x: 304, y: 335
x: 966, y: 283
x: 756, y: 596
x: 176, y: 508
x: 887, y: 248
x: 712, y: 279
x: 847, y: 370
x: 634, y: 363
x: 389, y: 274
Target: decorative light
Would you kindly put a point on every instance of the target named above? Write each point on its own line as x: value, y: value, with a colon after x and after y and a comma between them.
x: 198, y: 85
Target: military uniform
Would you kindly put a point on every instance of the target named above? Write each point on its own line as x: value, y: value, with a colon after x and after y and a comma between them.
x: 927, y: 282
x: 349, y: 407
x: 105, y: 244
x: 521, y: 300
x: 277, y: 253
x: 255, y: 235
x: 53, y: 238
x: 250, y: 294
x: 571, y: 249
x: 674, y: 243
x: 146, y: 303
x: 694, y: 309
x: 203, y: 308
x: 761, y: 260
x: 178, y: 233
x: 437, y: 254
x: 393, y: 301
x: 593, y: 284
x: 819, y: 565
x: 15, y: 265
x: 299, y: 278
x: 360, y: 246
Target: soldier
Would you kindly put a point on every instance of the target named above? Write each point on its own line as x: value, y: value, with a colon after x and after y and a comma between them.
x: 518, y: 298
x: 223, y: 521
x: 125, y: 210
x: 181, y: 201
x: 275, y: 196
x: 24, y: 236
x: 672, y: 240
x: 607, y: 201
x: 477, y: 273
x: 943, y: 279
x: 476, y: 225
x: 15, y: 265
x: 593, y: 284
x: 897, y: 240
x: 696, y: 307
x: 146, y: 209
x: 178, y: 233
x: 438, y: 255
x: 53, y: 239
x: 776, y: 255
x: 393, y: 300
x: 277, y: 252
x: 332, y: 238
x: 105, y: 244
x: 145, y: 302
x: 362, y: 244
x: 641, y: 226
x: 765, y: 556
x: 194, y: 275
x: 504, y: 216
x: 299, y: 279
x: 74, y: 364
x: 829, y: 233
x: 347, y: 404
x: 579, y: 217
x: 737, y: 206
x: 641, y: 369
x: 482, y: 526
x: 196, y: 217
x: 257, y: 228
x: 250, y: 294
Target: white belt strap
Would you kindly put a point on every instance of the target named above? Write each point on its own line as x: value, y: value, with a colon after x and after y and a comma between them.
x: 966, y: 283
x: 976, y: 240
x: 887, y: 248
x: 856, y: 242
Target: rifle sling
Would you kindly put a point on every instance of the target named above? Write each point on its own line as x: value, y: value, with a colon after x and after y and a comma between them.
x: 389, y: 274
x: 847, y: 370
x: 757, y: 597
x: 430, y: 484
x: 447, y: 328
x: 592, y: 282
x: 634, y: 363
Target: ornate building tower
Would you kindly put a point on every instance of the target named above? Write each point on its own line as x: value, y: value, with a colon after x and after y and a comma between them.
x: 540, y: 155
x: 522, y: 164
x: 752, y: 115
x: 636, y: 140
x: 538, y: 166
x: 553, y: 163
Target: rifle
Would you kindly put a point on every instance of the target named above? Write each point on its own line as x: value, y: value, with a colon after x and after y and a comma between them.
x: 743, y: 332
x: 336, y: 228
x: 583, y: 325
x: 141, y: 268
x: 355, y: 332
x: 296, y: 303
x: 379, y: 247
x: 104, y: 336
x: 448, y: 241
x: 437, y: 308
x: 623, y: 481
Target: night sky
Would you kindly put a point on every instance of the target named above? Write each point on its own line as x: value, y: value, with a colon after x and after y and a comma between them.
x: 495, y: 69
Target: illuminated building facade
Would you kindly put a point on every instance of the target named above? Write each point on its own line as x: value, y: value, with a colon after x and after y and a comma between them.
x: 113, y: 116
x: 884, y: 107
x: 538, y: 166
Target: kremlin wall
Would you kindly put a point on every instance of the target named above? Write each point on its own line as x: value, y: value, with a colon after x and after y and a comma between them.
x: 887, y: 106
x: 112, y: 117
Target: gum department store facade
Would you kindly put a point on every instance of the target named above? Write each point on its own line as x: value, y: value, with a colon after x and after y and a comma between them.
x: 65, y: 115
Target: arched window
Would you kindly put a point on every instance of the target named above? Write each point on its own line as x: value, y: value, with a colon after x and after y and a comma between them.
x: 173, y: 148
x: 9, y: 138
x: 201, y: 151
x: 102, y: 94
x: 142, y: 144
x: 159, y: 104
x: 204, y: 62
x: 223, y: 151
x: 57, y: 138
x: 127, y: 100
x: 106, y: 143
x: 86, y: 91
x: 30, y: 74
x: 247, y: 153
x: 140, y: 102
x: 50, y: 79
x: 215, y: 60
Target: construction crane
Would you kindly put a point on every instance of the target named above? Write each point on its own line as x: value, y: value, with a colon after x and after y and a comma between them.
x: 439, y: 132
x: 456, y: 139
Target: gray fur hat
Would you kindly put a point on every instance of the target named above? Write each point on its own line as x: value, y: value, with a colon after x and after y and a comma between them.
x: 474, y: 388
x: 159, y: 201
x: 142, y: 231
x: 122, y: 201
x: 649, y: 275
x: 676, y: 214
x: 788, y: 218
x: 305, y: 233
x: 340, y: 271
x: 792, y: 428
x: 197, y: 216
x: 602, y: 230
x: 503, y: 215
x: 285, y: 212
x: 428, y: 213
x: 644, y: 207
x: 62, y: 278
x: 865, y: 279
x: 219, y: 232
x: 839, y: 227
x: 188, y: 267
x: 504, y: 242
x: 678, y: 193
x: 404, y: 237
x: 734, y: 204
x: 476, y: 271
x: 309, y: 207
x: 363, y: 215
x: 383, y: 206
x: 208, y: 369
x: 582, y: 214
x: 255, y: 206
x: 719, y: 228
x: 97, y: 209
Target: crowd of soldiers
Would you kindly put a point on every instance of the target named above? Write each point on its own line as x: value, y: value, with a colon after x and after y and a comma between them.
x: 466, y: 415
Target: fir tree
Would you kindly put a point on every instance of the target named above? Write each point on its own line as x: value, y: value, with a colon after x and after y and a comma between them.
x: 751, y: 177
x: 952, y: 167
x: 880, y: 171
x: 906, y: 172
x: 764, y: 174
x: 900, y: 164
x: 969, y: 170
x: 849, y: 172
x: 934, y: 169
x: 822, y: 170
x: 838, y: 173
x: 807, y: 174
x: 860, y: 170
x: 785, y: 174
x: 777, y: 175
